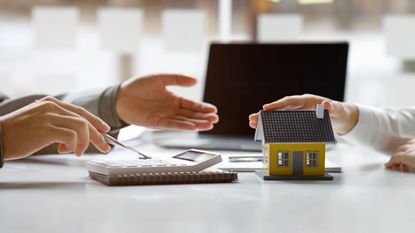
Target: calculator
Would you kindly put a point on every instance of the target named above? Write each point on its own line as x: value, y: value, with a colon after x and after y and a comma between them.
x: 188, y: 161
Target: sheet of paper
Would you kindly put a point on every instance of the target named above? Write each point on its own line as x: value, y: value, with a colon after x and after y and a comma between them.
x: 183, y: 30
x: 400, y: 36
x: 120, y: 29
x: 279, y: 27
x: 55, y: 27
x: 253, y: 166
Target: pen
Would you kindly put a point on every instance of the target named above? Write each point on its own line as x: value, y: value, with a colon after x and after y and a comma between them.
x: 115, y: 142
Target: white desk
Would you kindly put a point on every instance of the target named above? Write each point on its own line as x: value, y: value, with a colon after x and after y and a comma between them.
x: 54, y: 194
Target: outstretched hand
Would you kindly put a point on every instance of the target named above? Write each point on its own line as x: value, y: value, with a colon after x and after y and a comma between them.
x: 146, y: 102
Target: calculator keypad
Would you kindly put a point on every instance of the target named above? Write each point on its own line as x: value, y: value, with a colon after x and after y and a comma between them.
x: 137, y: 163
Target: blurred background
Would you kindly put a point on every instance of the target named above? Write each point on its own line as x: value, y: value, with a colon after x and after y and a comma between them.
x: 54, y: 46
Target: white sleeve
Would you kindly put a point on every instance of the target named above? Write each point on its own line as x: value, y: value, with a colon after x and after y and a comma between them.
x: 383, y: 129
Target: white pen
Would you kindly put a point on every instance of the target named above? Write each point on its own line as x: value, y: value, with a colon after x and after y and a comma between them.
x: 115, y: 142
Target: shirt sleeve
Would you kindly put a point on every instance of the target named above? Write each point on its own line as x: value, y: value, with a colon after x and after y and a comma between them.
x: 99, y: 102
x: 383, y: 129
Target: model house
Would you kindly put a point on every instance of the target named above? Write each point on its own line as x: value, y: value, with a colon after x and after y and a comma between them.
x: 294, y: 142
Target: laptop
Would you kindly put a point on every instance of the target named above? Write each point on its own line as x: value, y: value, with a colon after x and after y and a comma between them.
x: 241, y: 77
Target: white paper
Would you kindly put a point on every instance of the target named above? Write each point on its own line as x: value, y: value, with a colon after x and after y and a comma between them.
x: 183, y: 30
x: 279, y: 27
x: 253, y: 166
x: 400, y: 36
x: 55, y: 27
x: 120, y: 29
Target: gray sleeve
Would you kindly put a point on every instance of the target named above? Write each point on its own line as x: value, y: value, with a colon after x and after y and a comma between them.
x: 99, y: 102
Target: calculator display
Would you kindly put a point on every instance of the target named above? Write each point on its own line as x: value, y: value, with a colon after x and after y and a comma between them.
x: 194, y: 156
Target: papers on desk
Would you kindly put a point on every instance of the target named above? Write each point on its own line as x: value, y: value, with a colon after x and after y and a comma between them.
x: 251, y: 163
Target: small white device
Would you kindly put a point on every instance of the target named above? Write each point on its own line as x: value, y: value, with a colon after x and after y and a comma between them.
x: 188, y: 161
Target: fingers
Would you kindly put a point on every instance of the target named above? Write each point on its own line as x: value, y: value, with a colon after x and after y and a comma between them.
x: 65, y: 137
x: 201, y: 125
x: 198, y: 116
x: 83, y: 127
x: 401, y: 161
x: 400, y: 158
x: 84, y: 130
x: 77, y: 125
x: 94, y: 120
x: 197, y: 106
x: 306, y: 101
x: 177, y: 124
x: 178, y: 80
x: 253, y: 120
x: 291, y: 102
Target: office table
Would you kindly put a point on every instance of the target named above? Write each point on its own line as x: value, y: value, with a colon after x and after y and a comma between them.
x: 54, y: 194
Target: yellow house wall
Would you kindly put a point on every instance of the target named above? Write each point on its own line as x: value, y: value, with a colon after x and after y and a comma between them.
x: 307, y: 171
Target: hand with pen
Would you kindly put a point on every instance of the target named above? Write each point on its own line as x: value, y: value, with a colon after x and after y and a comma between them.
x: 48, y: 121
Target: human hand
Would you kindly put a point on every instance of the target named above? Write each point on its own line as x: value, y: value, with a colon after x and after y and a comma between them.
x: 146, y: 102
x: 343, y: 116
x: 404, y: 158
x: 47, y: 121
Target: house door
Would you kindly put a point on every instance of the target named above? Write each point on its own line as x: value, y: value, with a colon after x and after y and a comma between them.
x: 298, y: 163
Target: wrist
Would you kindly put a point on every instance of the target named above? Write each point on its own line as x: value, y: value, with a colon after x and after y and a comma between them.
x: 351, y: 117
x: 108, y: 107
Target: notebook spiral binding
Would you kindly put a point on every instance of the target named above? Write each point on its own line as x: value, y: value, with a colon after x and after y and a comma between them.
x: 166, y: 178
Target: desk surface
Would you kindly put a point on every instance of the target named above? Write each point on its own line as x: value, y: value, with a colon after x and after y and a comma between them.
x: 54, y: 194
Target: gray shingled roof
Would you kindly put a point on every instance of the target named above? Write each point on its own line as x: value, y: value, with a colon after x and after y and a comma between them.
x: 296, y: 126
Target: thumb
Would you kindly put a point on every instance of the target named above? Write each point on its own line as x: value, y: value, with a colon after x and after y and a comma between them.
x: 328, y: 105
x: 331, y: 106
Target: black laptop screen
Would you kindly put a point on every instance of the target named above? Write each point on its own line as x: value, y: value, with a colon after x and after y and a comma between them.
x: 240, y: 78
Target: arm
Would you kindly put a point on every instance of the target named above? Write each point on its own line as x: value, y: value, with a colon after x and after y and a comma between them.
x: 101, y: 103
x: 141, y: 101
x: 383, y: 129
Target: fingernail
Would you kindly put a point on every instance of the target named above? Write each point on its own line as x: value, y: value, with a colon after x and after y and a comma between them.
x: 107, y: 148
x: 106, y: 127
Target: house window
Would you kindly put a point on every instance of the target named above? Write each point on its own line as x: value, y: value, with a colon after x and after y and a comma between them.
x: 311, y: 159
x: 283, y: 158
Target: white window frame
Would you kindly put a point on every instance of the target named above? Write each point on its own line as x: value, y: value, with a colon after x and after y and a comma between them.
x: 311, y: 158
x: 283, y: 158
x: 266, y: 154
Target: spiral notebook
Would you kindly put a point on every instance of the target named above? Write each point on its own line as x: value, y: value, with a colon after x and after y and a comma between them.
x: 206, y: 176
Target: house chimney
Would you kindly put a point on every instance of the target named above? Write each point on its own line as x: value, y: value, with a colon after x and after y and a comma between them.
x: 320, y: 111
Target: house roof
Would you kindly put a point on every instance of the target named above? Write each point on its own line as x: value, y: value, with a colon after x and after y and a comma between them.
x: 294, y: 126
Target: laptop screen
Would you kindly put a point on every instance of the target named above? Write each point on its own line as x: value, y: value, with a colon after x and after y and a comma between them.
x: 240, y: 78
